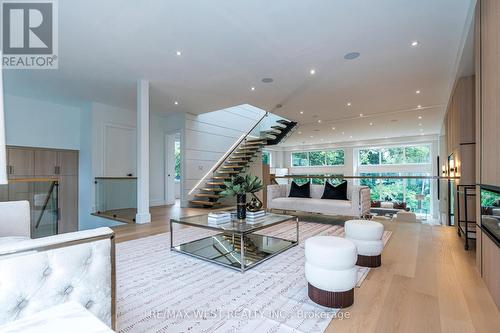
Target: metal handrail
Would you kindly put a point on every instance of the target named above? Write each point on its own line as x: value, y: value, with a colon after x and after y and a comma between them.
x: 365, y: 177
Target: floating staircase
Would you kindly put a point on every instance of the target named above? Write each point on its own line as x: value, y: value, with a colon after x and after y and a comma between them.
x: 235, y: 163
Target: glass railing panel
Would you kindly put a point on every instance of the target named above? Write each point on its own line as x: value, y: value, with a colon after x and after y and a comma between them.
x: 42, y: 195
x: 116, y: 198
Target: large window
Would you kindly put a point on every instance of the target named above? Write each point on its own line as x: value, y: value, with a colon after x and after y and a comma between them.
x: 395, y: 155
x: 318, y: 158
x: 415, y: 192
x: 335, y: 179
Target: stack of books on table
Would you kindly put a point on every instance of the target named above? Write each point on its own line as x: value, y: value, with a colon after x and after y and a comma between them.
x: 219, y: 217
x: 254, y: 217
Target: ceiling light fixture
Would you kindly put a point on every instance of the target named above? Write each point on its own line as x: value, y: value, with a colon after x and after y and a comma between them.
x: 349, y: 104
x: 176, y: 103
x: 343, y: 133
x: 312, y: 71
x: 417, y: 92
x: 419, y: 106
x: 371, y: 124
x: 415, y: 43
x: 319, y: 121
x: 300, y: 132
x: 252, y: 89
x: 301, y: 112
x: 311, y: 136
x: 333, y: 128
x: 361, y: 115
x: 351, y: 55
x: 179, y: 53
x: 350, y: 136
x: 419, y: 117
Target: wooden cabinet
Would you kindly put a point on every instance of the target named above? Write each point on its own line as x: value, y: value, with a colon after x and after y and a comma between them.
x: 68, y: 204
x: 20, y: 163
x: 49, y: 163
x: 46, y: 162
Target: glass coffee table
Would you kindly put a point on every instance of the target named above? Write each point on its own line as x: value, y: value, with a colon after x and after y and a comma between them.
x: 235, y: 244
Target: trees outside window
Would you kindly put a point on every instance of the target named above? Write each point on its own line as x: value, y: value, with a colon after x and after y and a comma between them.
x: 266, y: 158
x: 177, y: 152
x: 318, y: 158
x: 392, y: 155
x: 369, y: 157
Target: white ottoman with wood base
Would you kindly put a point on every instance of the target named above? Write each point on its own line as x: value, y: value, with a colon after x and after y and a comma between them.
x: 367, y: 235
x: 330, y: 270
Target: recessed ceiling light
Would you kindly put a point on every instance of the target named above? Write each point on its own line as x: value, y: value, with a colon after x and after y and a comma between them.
x: 415, y: 43
x: 371, y: 124
x: 419, y: 117
x: 419, y: 106
x: 417, y: 92
x: 361, y: 115
x: 319, y: 121
x: 252, y: 89
x: 312, y: 71
x: 179, y: 53
x: 312, y: 136
x: 301, y: 112
x: 333, y: 128
x: 349, y: 104
x: 351, y: 55
x: 350, y: 136
x: 343, y: 133
x: 176, y: 103
x: 300, y: 132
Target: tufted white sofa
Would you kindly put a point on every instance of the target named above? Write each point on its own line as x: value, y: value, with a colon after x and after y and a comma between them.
x: 358, y: 203
x: 36, y: 274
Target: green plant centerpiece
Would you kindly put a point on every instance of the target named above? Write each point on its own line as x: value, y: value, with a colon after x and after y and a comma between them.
x: 239, y: 186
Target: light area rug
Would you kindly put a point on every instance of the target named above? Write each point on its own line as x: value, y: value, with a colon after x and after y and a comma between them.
x: 163, y: 291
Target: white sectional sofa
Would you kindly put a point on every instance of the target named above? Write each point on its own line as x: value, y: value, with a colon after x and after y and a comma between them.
x: 358, y: 203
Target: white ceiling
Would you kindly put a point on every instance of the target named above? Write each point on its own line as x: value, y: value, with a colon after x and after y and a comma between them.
x: 229, y: 46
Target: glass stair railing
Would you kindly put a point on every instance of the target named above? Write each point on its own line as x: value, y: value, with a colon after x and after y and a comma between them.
x: 42, y: 195
x: 116, y: 198
x: 269, y: 130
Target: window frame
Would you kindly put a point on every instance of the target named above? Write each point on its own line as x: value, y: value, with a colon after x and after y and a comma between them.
x: 325, y: 151
x: 403, y: 147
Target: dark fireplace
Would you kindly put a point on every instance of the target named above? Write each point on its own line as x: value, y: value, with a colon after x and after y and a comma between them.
x: 490, y: 211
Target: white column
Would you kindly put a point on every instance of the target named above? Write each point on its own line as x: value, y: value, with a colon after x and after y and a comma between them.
x: 143, y: 215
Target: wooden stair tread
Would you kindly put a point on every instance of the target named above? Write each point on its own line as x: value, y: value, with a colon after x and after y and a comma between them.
x: 212, y: 189
x: 216, y: 183
x: 228, y: 172
x: 205, y: 203
x: 206, y: 195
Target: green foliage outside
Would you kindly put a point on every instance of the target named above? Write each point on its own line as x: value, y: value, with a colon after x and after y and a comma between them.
x: 489, y: 199
x: 401, y: 190
x: 318, y: 158
x: 395, y: 155
x: 266, y: 158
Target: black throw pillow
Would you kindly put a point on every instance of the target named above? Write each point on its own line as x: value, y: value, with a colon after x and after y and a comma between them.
x: 338, y: 192
x: 300, y: 191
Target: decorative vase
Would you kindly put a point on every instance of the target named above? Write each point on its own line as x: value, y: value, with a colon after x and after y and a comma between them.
x: 241, y: 206
x: 255, y: 204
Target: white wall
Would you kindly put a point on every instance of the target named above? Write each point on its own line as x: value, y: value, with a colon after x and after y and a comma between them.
x: 208, y: 137
x: 35, y: 123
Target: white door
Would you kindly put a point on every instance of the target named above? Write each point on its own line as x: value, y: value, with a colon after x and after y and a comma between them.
x: 170, y: 169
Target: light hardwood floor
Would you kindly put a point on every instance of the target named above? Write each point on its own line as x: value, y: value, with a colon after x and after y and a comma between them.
x: 427, y: 282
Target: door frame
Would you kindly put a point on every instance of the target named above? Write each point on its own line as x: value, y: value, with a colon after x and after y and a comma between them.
x: 169, y: 171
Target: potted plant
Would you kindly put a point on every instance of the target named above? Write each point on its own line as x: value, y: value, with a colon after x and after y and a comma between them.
x: 239, y: 186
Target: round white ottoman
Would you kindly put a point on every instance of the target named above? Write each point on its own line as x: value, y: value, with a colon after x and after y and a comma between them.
x: 330, y: 270
x: 367, y: 236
